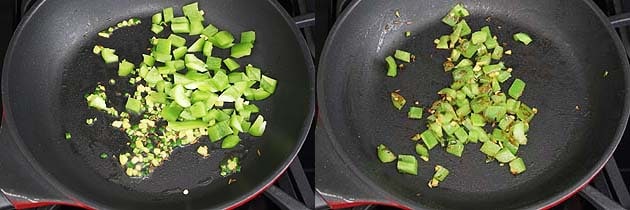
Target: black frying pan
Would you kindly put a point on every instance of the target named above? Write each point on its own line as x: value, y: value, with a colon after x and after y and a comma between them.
x: 49, y: 67
x: 573, y: 45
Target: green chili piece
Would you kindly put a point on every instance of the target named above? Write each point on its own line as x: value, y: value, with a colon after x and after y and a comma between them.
x: 230, y: 142
x: 516, y: 89
x: 403, y: 55
x: 456, y: 148
x: 68, y: 136
x: 133, y: 105
x: 517, y: 166
x: 108, y: 55
x: 398, y: 100
x: 497, y: 53
x: 461, y: 134
x: 156, y: 28
x: 407, y: 164
x: 187, y: 125
x: 219, y: 130
x: 168, y: 14
x: 197, y: 46
x: 440, y: 173
x: 196, y: 27
x: 490, y: 148
x: 384, y: 154
x: 465, y: 28
x: 177, y: 41
x: 518, y: 132
x: 479, y: 37
x: 258, y: 127
x: 213, y: 63
x: 443, y: 42
x: 223, y: 39
x: 392, y: 69
x: 156, y: 18
x: 429, y: 138
x: 210, y: 30
x: 241, y: 50
x: 125, y: 68
x: 415, y: 113
x: 207, y: 49
x: 504, y: 156
x: 181, y: 27
x: 171, y: 112
x: 248, y: 37
x: 231, y: 64
x: 522, y: 37
x: 423, y: 152
x: 268, y: 84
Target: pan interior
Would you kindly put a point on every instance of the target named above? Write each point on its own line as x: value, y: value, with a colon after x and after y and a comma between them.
x: 52, y: 67
x: 563, y: 68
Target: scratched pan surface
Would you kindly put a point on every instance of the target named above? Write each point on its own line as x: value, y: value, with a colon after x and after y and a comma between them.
x: 50, y: 68
x: 563, y: 68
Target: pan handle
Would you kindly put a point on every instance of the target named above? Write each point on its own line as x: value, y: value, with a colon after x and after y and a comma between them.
x: 620, y: 20
x: 21, y: 186
x: 337, y: 185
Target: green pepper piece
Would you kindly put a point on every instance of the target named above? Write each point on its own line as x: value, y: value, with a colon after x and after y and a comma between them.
x: 197, y: 46
x: 523, y: 38
x: 258, y: 127
x: 461, y: 134
x: 489, y: 148
x: 180, y: 28
x: 219, y: 130
x: 517, y: 166
x: 241, y: 50
x: 133, y: 106
x: 516, y: 89
x: 196, y: 27
x: 248, y: 37
x: 230, y: 142
x: 213, y: 63
x: 415, y: 113
x: 392, y: 69
x: 479, y: 37
x: 268, y: 84
x: 504, y: 156
x: 429, y: 139
x: 506, y: 122
x: 456, y: 148
x: 440, y: 173
x: 231, y: 64
x: 171, y: 112
x: 443, y: 42
x: 497, y: 53
x: 210, y: 30
x: 108, y: 55
x: 186, y: 125
x: 177, y: 41
x: 207, y: 49
x: 223, y: 39
x: 407, y: 164
x: 423, y: 152
x: 168, y: 14
x: 384, y: 154
x: 518, y: 132
x: 402, y: 56
x: 125, y: 68
x: 156, y: 29
x: 398, y: 100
